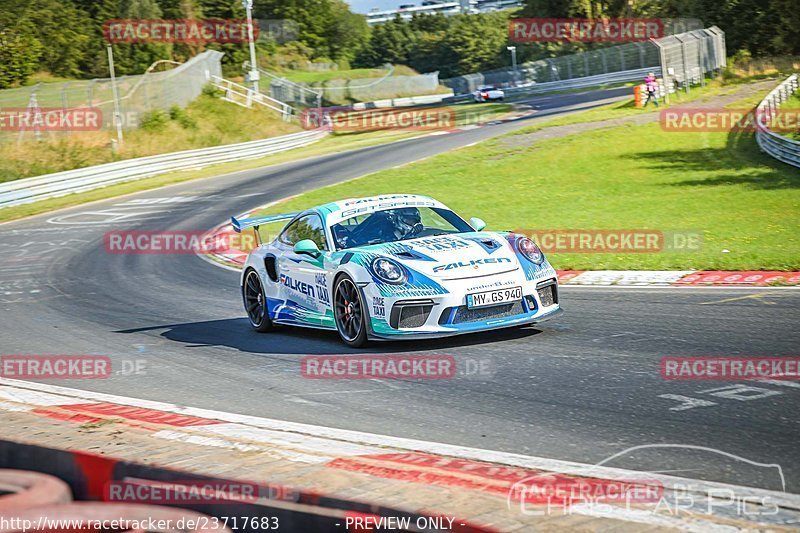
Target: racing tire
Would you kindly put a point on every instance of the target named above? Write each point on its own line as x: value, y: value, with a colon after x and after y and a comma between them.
x: 255, y: 302
x: 349, y: 312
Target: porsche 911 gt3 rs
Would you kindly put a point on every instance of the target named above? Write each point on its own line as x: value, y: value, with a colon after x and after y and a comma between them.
x: 394, y: 267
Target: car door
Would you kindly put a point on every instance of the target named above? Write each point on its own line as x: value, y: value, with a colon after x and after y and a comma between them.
x: 304, y: 279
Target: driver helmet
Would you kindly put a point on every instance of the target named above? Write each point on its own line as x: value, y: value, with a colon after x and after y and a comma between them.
x: 405, y: 219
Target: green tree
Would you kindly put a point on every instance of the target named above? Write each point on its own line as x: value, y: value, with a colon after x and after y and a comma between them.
x: 19, y: 56
x: 391, y: 42
x: 347, y: 32
x: 135, y: 58
x: 63, y: 30
x: 474, y: 43
x: 95, y: 62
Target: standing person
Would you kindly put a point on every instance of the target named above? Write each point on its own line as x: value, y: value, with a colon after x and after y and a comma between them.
x: 651, y: 86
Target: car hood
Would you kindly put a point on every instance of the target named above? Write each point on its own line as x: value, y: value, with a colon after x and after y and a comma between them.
x: 449, y: 257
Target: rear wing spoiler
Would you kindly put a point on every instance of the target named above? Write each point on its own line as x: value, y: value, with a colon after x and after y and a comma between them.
x: 255, y: 222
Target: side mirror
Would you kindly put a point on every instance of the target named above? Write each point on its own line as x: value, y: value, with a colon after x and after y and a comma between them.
x: 477, y: 223
x: 306, y: 246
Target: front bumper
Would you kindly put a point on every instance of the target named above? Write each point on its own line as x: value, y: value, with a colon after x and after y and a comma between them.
x: 447, y: 314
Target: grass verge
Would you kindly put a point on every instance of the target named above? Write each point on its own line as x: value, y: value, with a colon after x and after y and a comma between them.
x: 331, y: 144
x: 626, y: 108
x: 207, y: 121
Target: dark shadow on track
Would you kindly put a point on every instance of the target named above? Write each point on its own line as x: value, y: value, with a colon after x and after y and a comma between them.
x: 236, y: 333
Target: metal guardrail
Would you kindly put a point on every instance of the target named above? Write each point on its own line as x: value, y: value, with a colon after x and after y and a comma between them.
x: 780, y: 147
x: 29, y: 190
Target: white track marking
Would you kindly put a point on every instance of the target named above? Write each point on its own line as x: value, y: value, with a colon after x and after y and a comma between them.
x: 687, y: 402
x: 233, y: 445
x: 347, y: 438
x: 781, y: 382
x: 5, y: 406
x: 319, y: 446
x: 32, y: 396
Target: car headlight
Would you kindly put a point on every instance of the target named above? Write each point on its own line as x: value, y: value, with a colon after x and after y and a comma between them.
x: 529, y: 249
x: 389, y: 271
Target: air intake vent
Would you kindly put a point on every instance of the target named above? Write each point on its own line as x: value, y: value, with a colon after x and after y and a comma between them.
x: 269, y: 264
x: 410, y: 313
x: 414, y: 316
x: 464, y: 314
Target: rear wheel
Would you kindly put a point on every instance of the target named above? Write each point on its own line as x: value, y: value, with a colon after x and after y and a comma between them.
x: 255, y: 302
x: 349, y: 313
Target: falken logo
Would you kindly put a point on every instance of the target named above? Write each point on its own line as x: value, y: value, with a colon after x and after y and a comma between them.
x: 298, y: 286
x: 472, y: 263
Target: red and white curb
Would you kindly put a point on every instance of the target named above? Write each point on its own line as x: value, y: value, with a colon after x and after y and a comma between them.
x: 673, y: 278
x: 432, y: 463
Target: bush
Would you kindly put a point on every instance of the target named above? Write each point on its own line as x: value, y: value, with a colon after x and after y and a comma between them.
x: 211, y: 90
x: 179, y: 115
x: 154, y: 120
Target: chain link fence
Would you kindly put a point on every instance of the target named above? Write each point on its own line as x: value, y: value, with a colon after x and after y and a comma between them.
x: 346, y: 91
x: 137, y: 94
x: 628, y: 56
x: 684, y: 57
x: 294, y: 94
x: 687, y: 57
x: 368, y: 89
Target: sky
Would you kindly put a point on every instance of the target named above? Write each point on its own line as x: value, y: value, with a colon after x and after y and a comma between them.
x: 363, y: 6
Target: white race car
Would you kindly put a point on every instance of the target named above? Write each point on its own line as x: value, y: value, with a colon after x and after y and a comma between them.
x: 488, y: 93
x: 394, y: 267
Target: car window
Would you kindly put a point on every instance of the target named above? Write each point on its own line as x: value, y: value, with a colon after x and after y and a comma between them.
x: 306, y: 227
x: 392, y: 225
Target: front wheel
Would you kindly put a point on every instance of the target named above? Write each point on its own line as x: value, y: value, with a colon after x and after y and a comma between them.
x: 255, y: 302
x: 349, y: 313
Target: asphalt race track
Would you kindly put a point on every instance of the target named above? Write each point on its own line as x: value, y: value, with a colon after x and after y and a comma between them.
x: 583, y: 387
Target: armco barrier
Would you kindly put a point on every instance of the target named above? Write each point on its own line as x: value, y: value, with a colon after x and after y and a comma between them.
x: 88, y: 474
x: 780, y: 147
x: 85, y: 179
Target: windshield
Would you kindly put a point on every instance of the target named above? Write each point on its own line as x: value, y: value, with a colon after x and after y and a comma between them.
x: 393, y: 225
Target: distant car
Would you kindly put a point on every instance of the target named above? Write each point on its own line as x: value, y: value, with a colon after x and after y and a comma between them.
x: 394, y: 267
x: 488, y: 93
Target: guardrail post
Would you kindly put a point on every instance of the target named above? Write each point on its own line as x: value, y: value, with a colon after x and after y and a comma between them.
x: 90, y: 92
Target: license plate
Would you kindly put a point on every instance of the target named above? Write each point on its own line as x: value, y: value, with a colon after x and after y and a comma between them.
x: 500, y: 296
